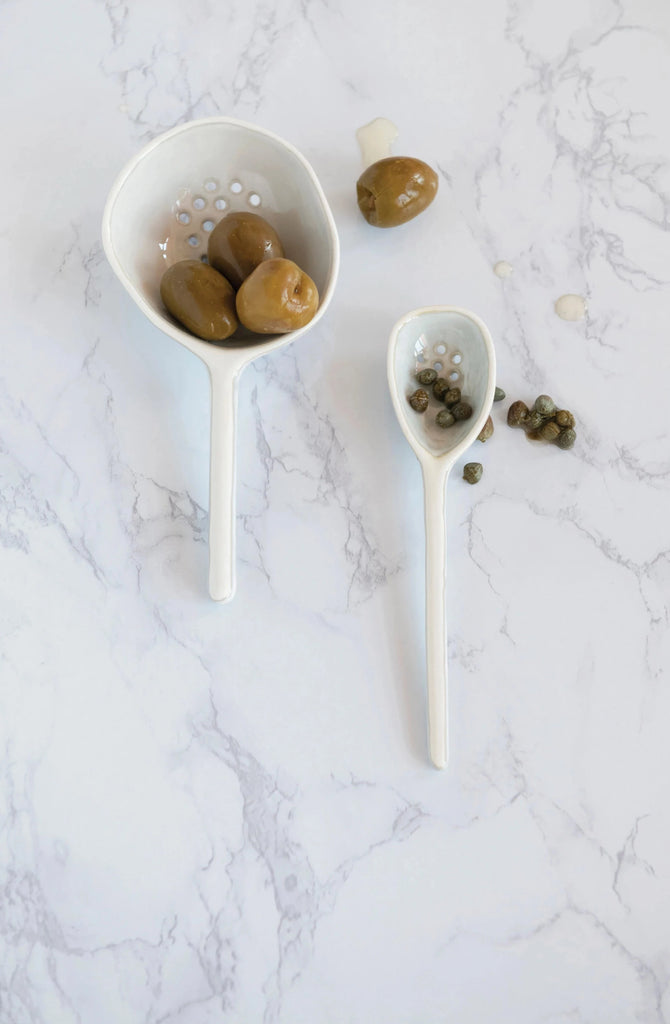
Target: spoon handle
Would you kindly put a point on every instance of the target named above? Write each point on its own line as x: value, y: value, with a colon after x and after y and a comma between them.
x: 434, y: 481
x: 223, y: 380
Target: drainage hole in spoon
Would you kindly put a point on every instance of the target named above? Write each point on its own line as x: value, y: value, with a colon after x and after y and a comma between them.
x: 199, y: 203
x: 236, y: 187
x: 254, y: 199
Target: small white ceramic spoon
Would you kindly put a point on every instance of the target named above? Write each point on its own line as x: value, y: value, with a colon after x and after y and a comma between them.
x: 458, y: 344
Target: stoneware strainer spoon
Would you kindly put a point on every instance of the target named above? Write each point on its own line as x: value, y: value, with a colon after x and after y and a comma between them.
x: 162, y: 208
x: 458, y: 345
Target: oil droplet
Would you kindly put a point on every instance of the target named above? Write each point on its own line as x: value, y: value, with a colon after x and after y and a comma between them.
x: 375, y: 140
x: 503, y: 269
x: 571, y: 307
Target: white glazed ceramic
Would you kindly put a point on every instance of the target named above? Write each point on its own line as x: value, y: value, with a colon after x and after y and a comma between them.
x: 469, y: 359
x: 161, y: 209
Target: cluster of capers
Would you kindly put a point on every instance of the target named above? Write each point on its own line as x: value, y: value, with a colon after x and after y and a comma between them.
x: 544, y: 422
x: 247, y: 281
x: 456, y: 409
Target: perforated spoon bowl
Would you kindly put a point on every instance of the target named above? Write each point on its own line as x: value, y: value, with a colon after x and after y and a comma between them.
x: 458, y: 344
x: 162, y: 208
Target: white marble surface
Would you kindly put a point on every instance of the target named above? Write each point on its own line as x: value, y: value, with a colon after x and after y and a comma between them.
x: 225, y: 813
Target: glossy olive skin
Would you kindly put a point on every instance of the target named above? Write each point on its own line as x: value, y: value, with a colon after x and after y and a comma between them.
x: 394, y: 190
x: 276, y: 298
x: 201, y: 299
x: 239, y: 242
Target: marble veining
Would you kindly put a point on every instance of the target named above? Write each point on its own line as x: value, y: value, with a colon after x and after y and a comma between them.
x: 217, y: 814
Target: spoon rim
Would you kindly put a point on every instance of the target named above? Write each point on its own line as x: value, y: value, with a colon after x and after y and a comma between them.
x: 425, y: 456
x: 213, y: 353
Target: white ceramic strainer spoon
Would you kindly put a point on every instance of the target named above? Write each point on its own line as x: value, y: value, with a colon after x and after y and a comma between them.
x: 458, y: 344
x: 161, y: 209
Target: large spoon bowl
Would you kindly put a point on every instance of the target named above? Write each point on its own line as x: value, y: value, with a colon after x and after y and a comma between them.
x: 162, y: 208
x: 458, y: 344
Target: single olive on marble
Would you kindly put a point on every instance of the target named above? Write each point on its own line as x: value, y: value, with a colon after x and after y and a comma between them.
x: 239, y: 242
x: 277, y: 297
x: 395, y: 190
x: 200, y: 298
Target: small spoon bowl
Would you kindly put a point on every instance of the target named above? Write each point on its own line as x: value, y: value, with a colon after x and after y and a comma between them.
x: 458, y: 345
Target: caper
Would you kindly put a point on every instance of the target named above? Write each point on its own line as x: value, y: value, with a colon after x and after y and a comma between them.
x: 461, y: 411
x: 426, y: 376
x: 486, y: 431
x: 517, y: 414
x: 440, y: 388
x: 545, y: 405
x: 419, y: 400
x: 452, y: 396
x: 445, y: 419
x: 566, y: 438
x: 564, y: 418
x: 534, y: 421
x: 534, y: 435
x: 472, y: 472
x: 498, y: 395
x: 550, y: 431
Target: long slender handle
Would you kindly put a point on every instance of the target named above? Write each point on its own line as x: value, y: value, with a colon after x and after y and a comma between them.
x: 434, y: 481
x: 223, y: 381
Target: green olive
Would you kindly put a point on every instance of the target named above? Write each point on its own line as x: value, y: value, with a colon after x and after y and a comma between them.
x: 200, y: 298
x: 395, y: 190
x: 276, y: 298
x: 239, y: 242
